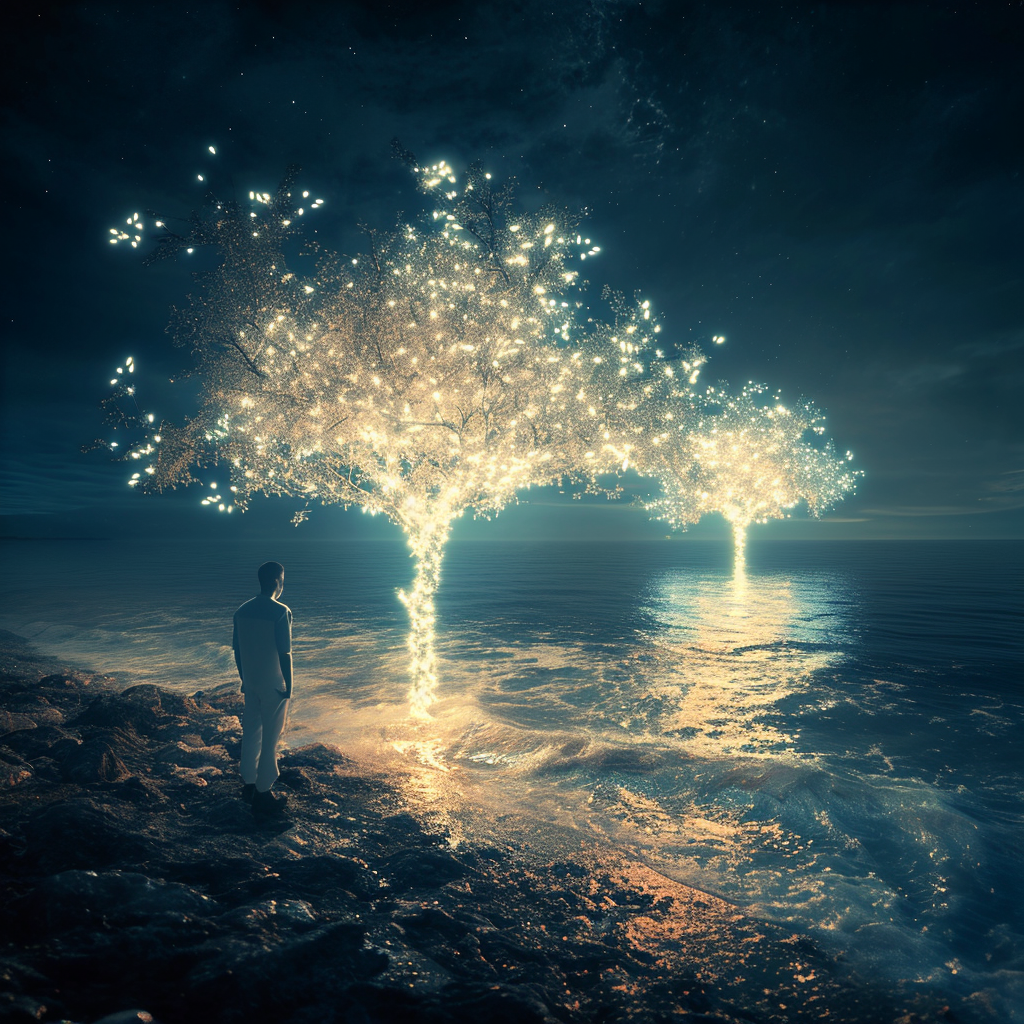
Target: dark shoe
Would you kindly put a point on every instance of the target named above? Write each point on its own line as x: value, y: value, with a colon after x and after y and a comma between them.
x: 269, y: 803
x: 248, y: 792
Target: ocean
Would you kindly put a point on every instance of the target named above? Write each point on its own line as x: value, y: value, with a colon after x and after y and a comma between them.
x: 829, y: 739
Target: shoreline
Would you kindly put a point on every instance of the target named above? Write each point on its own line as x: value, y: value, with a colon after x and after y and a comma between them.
x: 134, y: 878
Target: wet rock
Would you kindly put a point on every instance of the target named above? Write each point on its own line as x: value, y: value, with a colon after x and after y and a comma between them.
x: 290, y: 914
x: 220, y: 728
x: 38, y: 708
x: 318, y: 756
x: 87, y: 899
x: 81, y: 833
x: 96, y: 760
x: 325, y: 873
x: 14, y: 722
x: 269, y: 983
x: 187, y: 756
x: 41, y: 741
x: 420, y: 869
x: 129, y: 1017
x: 144, y: 708
x: 139, y: 790
x: 434, y: 919
x: 455, y: 1003
x: 227, y: 814
x: 300, y: 780
x: 232, y: 880
x: 64, y: 681
x: 19, y: 1009
x: 13, y: 775
x: 494, y: 1004
x: 46, y: 769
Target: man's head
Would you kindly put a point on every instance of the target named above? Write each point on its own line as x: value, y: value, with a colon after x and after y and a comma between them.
x: 271, y: 577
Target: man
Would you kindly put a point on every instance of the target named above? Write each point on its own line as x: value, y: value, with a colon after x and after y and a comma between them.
x: 263, y: 654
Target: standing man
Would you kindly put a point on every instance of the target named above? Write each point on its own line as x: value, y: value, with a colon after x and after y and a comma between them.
x: 263, y: 654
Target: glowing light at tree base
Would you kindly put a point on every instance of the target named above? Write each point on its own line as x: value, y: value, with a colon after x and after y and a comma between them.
x: 428, y: 550
x: 739, y: 548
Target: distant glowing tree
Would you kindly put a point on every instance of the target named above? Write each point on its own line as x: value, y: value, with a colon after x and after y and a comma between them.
x: 449, y: 367
x: 747, y: 456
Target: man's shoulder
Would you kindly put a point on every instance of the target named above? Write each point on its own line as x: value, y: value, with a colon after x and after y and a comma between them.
x: 263, y: 607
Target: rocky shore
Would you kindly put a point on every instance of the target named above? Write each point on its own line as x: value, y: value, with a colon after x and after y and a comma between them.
x: 138, y: 886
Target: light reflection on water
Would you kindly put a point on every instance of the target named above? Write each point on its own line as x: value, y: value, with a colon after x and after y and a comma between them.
x: 824, y: 739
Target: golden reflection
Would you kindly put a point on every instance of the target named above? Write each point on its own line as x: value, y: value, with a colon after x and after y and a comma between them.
x: 738, y: 646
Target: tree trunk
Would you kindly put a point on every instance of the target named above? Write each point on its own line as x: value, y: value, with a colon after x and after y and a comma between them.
x: 739, y: 548
x: 428, y: 550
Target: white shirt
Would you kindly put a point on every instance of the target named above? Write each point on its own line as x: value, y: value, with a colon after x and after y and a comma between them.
x: 262, y: 633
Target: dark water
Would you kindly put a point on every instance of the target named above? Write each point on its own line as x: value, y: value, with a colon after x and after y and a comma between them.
x: 831, y: 738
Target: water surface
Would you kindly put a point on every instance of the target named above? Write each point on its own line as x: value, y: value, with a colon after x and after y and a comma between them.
x: 830, y: 739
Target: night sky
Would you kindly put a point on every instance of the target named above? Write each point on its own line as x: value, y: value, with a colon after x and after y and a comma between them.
x: 834, y: 187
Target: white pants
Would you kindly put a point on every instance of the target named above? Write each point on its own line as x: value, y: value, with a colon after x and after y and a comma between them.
x: 263, y: 722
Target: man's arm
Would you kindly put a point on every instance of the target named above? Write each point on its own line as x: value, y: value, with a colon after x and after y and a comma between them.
x: 234, y: 647
x: 286, y: 671
x: 283, y: 631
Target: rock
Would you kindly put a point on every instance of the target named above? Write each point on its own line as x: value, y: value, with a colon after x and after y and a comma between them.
x: 297, y: 914
x: 94, y: 761
x: 300, y: 780
x: 64, y: 681
x: 221, y: 728
x: 421, y: 869
x: 19, y: 1008
x: 187, y: 756
x: 13, y: 775
x: 269, y: 982
x: 81, y: 833
x: 144, y: 708
x: 41, y: 741
x: 90, y: 899
x: 318, y: 756
x: 496, y: 1004
x: 17, y: 1004
x: 14, y: 722
x: 46, y: 769
x: 40, y: 711
x: 140, y: 790
x: 128, y: 1017
x: 227, y: 814
x: 436, y: 920
x: 321, y: 874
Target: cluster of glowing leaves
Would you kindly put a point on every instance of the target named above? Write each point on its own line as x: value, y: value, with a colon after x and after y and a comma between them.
x: 747, y: 456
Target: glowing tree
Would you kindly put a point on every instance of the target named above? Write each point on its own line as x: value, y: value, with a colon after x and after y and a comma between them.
x: 451, y: 366
x: 748, y: 457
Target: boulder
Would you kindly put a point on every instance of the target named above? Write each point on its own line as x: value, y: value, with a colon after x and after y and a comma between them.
x: 14, y: 722
x: 144, y: 708
x: 95, y: 760
x: 81, y: 833
x: 423, y: 869
x: 114, y: 899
